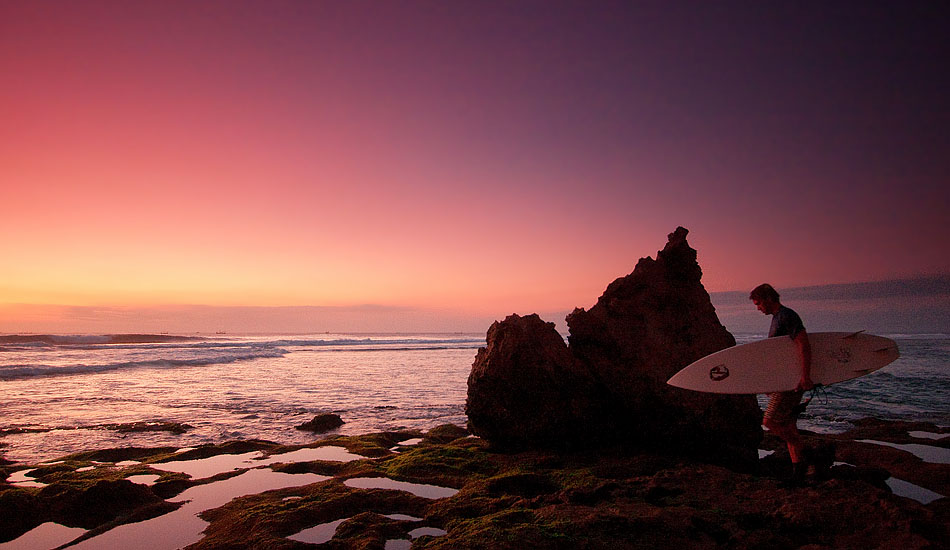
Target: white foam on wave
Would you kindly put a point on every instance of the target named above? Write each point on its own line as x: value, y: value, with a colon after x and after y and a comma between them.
x: 90, y: 339
x: 13, y: 372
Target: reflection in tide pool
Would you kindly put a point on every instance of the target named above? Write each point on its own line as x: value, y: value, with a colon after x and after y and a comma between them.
x: 43, y: 537
x: 426, y: 531
x: 22, y: 479
x: 318, y: 534
x: 927, y: 453
x: 144, y: 479
x: 906, y: 489
x: 207, y: 467
x: 927, y: 435
x: 324, y: 532
x: 418, y: 489
x: 403, y: 544
x: 183, y: 526
x: 402, y: 517
x: 214, y: 465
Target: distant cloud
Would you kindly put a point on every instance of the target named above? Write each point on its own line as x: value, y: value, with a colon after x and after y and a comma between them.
x: 912, y: 305
x: 26, y: 318
x: 924, y: 286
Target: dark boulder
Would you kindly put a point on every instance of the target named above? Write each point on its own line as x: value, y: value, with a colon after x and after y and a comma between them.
x: 527, y: 387
x: 20, y: 511
x: 322, y: 423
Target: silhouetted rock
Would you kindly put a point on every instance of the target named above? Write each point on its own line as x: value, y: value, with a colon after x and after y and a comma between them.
x: 528, y: 388
x: 322, y: 423
x: 130, y: 427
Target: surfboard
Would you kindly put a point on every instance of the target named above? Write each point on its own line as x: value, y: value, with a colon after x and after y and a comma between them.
x: 773, y: 364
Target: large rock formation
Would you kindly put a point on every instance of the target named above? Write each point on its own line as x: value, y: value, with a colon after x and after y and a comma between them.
x: 529, y: 388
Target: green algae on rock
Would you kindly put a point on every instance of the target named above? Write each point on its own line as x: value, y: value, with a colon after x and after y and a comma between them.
x: 603, y: 498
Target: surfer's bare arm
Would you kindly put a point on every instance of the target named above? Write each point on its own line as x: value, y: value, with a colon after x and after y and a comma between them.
x: 804, y: 352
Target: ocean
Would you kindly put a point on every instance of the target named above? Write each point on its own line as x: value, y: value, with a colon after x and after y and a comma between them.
x: 64, y: 394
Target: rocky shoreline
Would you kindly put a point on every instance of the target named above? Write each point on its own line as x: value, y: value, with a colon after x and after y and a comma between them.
x: 577, y: 445
x: 598, y: 498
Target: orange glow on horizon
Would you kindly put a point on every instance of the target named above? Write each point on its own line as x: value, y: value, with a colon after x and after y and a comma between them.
x: 166, y: 153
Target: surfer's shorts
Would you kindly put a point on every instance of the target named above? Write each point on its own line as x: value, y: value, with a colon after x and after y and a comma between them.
x: 782, y: 406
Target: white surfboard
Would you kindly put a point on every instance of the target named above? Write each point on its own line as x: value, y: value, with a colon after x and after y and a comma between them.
x: 773, y: 364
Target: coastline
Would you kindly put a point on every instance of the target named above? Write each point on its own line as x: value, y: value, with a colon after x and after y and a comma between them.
x: 199, y: 385
x: 611, y: 498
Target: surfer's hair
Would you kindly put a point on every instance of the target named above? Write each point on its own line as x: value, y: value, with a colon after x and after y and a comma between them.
x: 764, y: 292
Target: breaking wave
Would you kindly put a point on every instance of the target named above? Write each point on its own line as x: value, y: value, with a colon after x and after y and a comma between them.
x: 12, y: 372
x: 31, y: 356
x: 71, y: 339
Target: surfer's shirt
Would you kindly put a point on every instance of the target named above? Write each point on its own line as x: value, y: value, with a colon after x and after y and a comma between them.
x: 785, y: 322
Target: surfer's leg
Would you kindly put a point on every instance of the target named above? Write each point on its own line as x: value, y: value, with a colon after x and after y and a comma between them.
x: 780, y: 420
x: 796, y: 449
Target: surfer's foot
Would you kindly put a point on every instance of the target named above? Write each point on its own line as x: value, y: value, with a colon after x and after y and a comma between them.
x: 798, y: 477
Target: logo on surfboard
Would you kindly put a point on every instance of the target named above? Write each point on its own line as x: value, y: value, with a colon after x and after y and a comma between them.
x: 842, y: 355
x: 719, y: 373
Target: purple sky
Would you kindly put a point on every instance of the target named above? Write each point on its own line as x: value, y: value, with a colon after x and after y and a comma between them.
x: 481, y: 157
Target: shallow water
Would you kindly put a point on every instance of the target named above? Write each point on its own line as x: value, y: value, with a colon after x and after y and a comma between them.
x: 22, y: 478
x: 927, y: 435
x: 43, y: 537
x: 927, y: 453
x: 144, y: 479
x: 228, y: 388
x: 183, y: 526
x: 318, y: 534
x: 906, y: 489
x: 418, y: 489
x: 207, y: 467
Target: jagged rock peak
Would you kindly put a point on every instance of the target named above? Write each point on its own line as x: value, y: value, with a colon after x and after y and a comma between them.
x: 528, y: 388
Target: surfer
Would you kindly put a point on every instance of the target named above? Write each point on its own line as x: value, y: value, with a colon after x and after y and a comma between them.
x: 780, y: 415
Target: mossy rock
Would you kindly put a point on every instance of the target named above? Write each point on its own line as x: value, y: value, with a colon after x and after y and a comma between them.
x: 20, y: 511
x: 122, y: 454
x: 442, y: 464
x: 446, y: 433
x: 521, y: 484
x: 228, y: 448
x: 265, y: 520
x: 97, y: 503
x: 371, y: 445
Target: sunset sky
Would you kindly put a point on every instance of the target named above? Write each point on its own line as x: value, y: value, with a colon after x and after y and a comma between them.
x: 470, y: 158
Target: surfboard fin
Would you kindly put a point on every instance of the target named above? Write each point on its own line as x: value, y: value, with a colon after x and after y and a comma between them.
x: 854, y: 334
